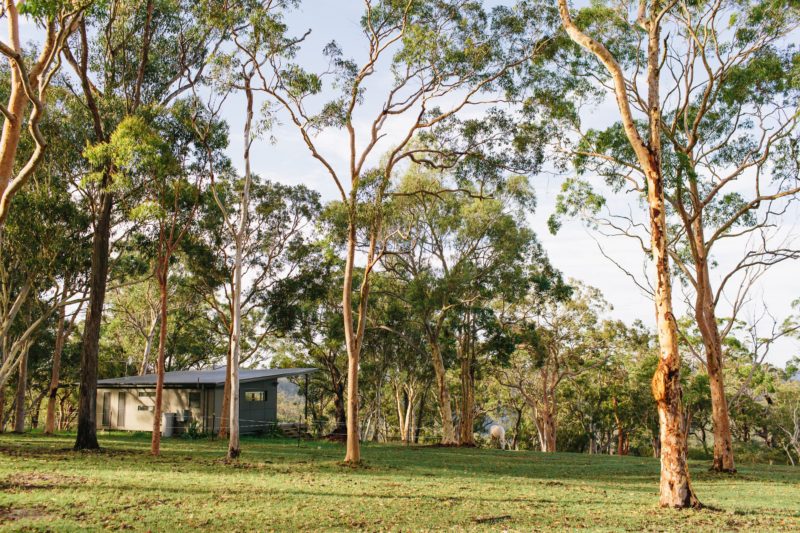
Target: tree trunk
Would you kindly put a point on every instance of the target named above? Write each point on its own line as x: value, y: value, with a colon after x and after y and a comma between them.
x: 467, y: 421
x: 17, y: 102
x: 22, y: 386
x: 226, y: 398
x: 410, y: 396
x: 236, y: 320
x: 162, y: 275
x: 401, y: 412
x: 548, y: 422
x: 707, y: 324
x: 36, y: 409
x: 676, y: 489
x: 55, y: 373
x: 443, y: 394
x: 233, y: 368
x: 87, y: 395
x: 353, y: 452
x: 420, y: 416
x: 517, y: 425
x: 621, y: 438
x: 340, y: 429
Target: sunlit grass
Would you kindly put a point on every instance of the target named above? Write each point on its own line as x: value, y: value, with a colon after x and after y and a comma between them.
x: 291, y: 485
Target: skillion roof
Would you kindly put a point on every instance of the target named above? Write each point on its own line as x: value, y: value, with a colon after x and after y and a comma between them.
x: 216, y: 376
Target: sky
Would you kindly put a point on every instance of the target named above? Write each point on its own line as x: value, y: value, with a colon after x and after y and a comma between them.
x: 575, y: 250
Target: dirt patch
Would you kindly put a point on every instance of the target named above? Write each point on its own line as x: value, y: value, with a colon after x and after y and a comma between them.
x: 491, y: 519
x: 28, y: 481
x: 62, y: 453
x: 11, y: 514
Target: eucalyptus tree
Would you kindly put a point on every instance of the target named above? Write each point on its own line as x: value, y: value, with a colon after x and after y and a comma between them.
x: 126, y: 58
x: 31, y: 75
x: 163, y: 156
x: 453, y: 252
x: 441, y: 58
x: 557, y: 338
x: 614, y: 397
x: 267, y: 245
x: 394, y: 335
x: 675, y: 486
x: 59, y: 276
x: 725, y: 129
x: 41, y: 250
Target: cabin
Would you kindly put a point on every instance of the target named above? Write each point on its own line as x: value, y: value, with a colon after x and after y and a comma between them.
x: 191, y: 398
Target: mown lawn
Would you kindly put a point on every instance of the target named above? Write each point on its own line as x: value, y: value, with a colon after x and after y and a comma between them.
x: 280, y: 485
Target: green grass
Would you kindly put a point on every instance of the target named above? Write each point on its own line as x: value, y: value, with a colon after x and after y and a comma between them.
x: 278, y: 485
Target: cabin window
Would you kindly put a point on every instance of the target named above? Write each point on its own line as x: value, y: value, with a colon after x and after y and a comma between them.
x: 146, y: 408
x: 147, y: 394
x: 255, y: 396
x: 194, y: 399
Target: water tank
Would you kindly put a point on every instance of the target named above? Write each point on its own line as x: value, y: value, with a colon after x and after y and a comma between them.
x: 167, y: 424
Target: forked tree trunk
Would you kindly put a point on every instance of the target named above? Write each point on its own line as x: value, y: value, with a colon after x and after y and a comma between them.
x: 55, y: 372
x: 409, y: 418
x: 22, y: 387
x: 148, y: 346
x: 676, y: 490
x: 443, y: 394
x: 36, y: 409
x: 546, y: 425
x: 401, y: 412
x: 404, y: 398
x: 162, y: 275
x: 87, y: 395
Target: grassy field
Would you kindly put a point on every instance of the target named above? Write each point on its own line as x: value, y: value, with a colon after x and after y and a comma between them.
x: 280, y: 485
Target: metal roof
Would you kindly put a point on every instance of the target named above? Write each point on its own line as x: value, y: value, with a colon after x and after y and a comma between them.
x: 214, y: 376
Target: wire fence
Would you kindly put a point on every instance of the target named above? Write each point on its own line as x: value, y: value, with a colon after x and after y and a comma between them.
x: 301, y: 430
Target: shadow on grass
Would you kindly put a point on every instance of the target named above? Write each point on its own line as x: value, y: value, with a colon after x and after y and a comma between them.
x: 285, y: 456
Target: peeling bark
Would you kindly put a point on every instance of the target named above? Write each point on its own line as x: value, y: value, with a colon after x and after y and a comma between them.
x: 675, y: 486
